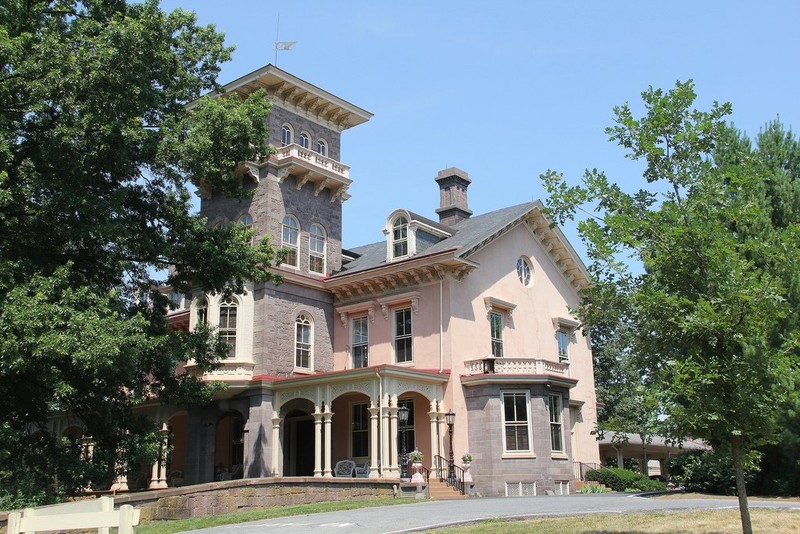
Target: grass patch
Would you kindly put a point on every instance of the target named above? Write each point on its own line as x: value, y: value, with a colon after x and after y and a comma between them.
x: 182, y: 525
x: 702, y: 522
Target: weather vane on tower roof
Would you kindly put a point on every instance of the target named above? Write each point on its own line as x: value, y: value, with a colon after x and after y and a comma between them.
x: 281, y: 45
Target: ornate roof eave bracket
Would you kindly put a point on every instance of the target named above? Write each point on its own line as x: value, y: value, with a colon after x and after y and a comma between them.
x: 387, y: 282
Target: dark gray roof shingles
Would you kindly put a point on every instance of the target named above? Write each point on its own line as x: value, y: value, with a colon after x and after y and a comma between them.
x: 467, y: 234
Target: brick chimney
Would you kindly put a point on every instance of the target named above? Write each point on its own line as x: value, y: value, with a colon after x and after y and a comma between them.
x: 453, y: 184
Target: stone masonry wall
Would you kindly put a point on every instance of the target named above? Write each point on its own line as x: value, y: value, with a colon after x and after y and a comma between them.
x: 490, y: 469
x: 236, y: 495
x: 276, y: 308
x: 278, y: 116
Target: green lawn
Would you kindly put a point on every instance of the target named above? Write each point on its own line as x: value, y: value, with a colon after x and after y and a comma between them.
x: 182, y: 525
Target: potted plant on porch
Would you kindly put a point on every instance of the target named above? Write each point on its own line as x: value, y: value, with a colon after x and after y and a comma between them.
x: 416, y: 463
x: 466, y: 462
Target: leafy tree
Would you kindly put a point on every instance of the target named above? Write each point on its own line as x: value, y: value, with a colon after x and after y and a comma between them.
x: 629, y: 405
x: 709, y: 298
x: 776, y: 151
x: 98, y: 151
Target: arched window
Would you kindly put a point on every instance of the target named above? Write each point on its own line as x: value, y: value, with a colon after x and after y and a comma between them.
x: 322, y: 147
x: 303, y: 356
x: 227, y: 324
x: 400, y: 238
x: 287, y: 135
x: 202, y: 311
x: 290, y: 238
x: 316, y: 249
x: 305, y: 141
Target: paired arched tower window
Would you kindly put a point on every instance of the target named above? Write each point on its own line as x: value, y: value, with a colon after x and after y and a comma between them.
x: 287, y: 135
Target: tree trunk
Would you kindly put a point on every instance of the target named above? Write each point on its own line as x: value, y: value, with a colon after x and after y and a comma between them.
x: 741, y: 491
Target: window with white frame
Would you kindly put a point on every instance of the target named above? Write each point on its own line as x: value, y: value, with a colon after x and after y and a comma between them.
x: 322, y: 147
x: 202, y: 311
x: 400, y: 237
x: 247, y: 221
x: 402, y: 336
x: 516, y: 422
x: 287, y: 135
x: 290, y: 239
x: 316, y: 249
x: 496, y: 332
x: 227, y: 324
x: 303, y: 342
x: 360, y: 435
x: 556, y: 427
x: 562, y: 337
x: 359, y: 342
x: 305, y: 141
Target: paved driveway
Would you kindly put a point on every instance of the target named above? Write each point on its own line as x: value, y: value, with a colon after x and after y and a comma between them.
x: 434, y: 514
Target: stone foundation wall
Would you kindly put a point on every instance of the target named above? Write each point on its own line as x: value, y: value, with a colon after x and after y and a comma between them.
x: 235, y: 495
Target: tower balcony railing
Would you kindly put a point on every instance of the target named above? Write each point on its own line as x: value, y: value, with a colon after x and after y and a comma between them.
x: 312, y: 167
x: 515, y: 366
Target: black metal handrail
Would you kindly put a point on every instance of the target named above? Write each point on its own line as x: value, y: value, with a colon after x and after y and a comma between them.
x: 581, y: 468
x: 442, y: 467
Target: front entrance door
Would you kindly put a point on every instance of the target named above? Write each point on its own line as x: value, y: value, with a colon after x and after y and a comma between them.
x: 298, y: 445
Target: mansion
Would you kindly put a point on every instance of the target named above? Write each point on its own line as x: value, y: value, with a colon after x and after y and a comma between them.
x: 360, y: 353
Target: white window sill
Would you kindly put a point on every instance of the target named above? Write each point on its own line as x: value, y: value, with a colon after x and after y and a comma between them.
x: 517, y: 456
x: 559, y: 456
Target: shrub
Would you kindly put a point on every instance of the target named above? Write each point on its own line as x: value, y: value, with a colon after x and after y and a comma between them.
x: 709, y: 471
x: 593, y: 489
x: 623, y: 479
x: 646, y: 484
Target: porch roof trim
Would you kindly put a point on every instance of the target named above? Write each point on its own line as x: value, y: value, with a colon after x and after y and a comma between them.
x: 394, y: 371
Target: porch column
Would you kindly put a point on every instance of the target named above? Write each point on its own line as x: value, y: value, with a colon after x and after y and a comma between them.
x: 441, y: 425
x: 121, y: 481
x: 385, y: 455
x: 373, y: 440
x: 326, y: 470
x: 433, y: 415
x: 276, y: 444
x: 393, y: 437
x: 317, y: 442
x: 620, y: 459
x: 162, y: 467
x: 158, y: 473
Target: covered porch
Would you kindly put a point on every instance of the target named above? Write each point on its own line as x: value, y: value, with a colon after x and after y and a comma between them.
x: 323, y: 419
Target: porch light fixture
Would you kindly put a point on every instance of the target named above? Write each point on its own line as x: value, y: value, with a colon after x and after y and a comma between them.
x: 450, y: 419
x: 402, y: 417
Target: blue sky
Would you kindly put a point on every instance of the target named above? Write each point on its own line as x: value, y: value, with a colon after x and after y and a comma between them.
x: 507, y: 90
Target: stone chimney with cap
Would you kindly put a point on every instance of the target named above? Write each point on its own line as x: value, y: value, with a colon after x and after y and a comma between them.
x: 453, y: 184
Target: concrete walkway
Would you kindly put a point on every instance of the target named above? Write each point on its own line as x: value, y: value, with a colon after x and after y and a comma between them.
x: 437, y: 514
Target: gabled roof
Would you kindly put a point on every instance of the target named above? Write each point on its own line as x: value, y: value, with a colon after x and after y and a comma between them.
x: 471, y: 235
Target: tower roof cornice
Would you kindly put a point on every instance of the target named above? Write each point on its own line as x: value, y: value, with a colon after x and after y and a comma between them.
x: 299, y: 96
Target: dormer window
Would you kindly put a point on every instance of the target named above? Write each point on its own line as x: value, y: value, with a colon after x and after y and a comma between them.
x: 305, y: 141
x: 400, y: 237
x: 287, y: 135
x: 322, y: 147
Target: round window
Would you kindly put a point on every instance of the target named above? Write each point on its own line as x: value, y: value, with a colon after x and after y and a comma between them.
x: 524, y: 271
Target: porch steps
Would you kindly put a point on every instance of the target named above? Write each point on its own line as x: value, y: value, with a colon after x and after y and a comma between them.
x: 440, y: 491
